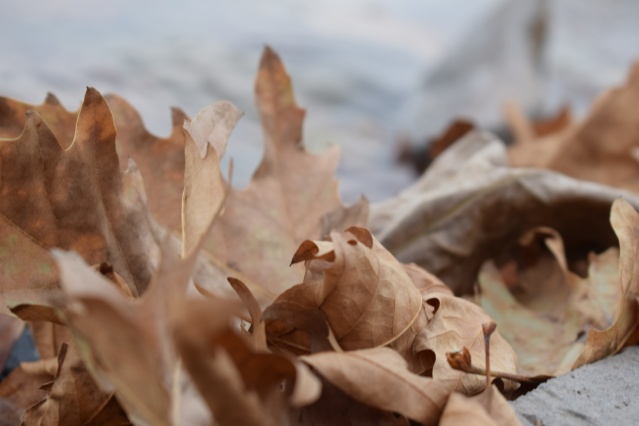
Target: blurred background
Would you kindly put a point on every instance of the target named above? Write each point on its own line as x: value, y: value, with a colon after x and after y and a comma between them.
x: 369, y: 72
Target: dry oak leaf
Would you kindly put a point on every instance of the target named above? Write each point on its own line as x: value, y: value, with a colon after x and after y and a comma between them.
x: 288, y: 194
x: 13, y: 118
x: 488, y: 408
x: 23, y: 387
x: 379, y: 377
x: 552, y: 306
x: 363, y: 292
x: 604, y: 306
x: 136, y: 359
x: 75, y: 199
x: 337, y: 408
x: 457, y: 323
x: 459, y: 213
x: 601, y: 148
x: 160, y: 160
x: 624, y: 330
x: 239, y: 385
x: 73, y: 398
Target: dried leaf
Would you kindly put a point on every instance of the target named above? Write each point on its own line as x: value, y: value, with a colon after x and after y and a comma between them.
x: 623, y: 330
x: 459, y: 214
x: 366, y: 296
x: 23, y: 387
x: 13, y: 118
x: 488, y: 408
x: 73, y: 397
x: 240, y: 386
x: 160, y: 160
x: 457, y: 323
x: 288, y: 195
x: 419, y: 398
x: 75, y: 199
x: 545, y: 327
x: 599, y: 148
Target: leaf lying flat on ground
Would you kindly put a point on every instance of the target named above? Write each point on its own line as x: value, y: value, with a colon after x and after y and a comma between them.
x: 459, y: 214
x: 288, y: 195
x: 457, y: 323
x: 602, y: 306
x: 379, y: 377
x: 488, y: 408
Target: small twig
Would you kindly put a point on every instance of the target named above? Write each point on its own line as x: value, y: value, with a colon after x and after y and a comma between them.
x: 488, y: 328
x: 461, y: 361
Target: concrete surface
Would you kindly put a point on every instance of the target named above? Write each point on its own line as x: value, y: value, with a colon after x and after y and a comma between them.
x: 603, y: 393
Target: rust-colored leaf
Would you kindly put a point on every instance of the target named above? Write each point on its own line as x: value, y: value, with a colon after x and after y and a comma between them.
x: 75, y: 199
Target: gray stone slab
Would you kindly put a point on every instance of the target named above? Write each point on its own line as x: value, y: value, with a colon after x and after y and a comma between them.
x: 603, y: 393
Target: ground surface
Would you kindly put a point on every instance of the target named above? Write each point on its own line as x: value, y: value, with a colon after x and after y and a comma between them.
x: 603, y: 393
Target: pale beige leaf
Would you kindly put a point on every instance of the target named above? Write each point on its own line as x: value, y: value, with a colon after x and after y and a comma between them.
x: 379, y: 377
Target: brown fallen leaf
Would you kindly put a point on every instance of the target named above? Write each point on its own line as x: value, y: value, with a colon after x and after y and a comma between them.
x: 13, y: 118
x: 76, y: 199
x: 23, y: 387
x: 601, y: 148
x: 364, y: 294
x: 624, y: 328
x: 457, y: 323
x: 139, y: 362
x: 239, y: 385
x: 288, y: 195
x: 545, y: 326
x: 160, y: 160
x: 337, y: 408
x: 488, y: 408
x: 72, y: 398
x: 420, y: 398
x: 459, y: 214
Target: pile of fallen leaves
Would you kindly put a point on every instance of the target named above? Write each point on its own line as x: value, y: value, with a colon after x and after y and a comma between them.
x: 158, y: 294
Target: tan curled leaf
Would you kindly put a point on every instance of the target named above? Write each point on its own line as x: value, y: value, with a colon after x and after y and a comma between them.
x: 366, y: 296
x: 460, y: 213
x: 623, y: 330
x: 380, y: 378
